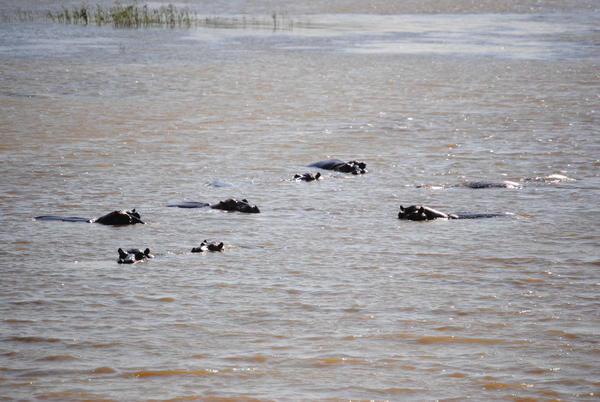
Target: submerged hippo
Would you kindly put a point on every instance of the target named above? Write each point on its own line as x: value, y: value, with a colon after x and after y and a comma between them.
x: 206, y: 246
x: 478, y: 184
x: 489, y: 184
x: 189, y: 204
x: 113, y: 218
x: 307, y: 177
x: 133, y: 255
x: 337, y: 165
x: 232, y: 204
x: 551, y: 178
x: 423, y: 213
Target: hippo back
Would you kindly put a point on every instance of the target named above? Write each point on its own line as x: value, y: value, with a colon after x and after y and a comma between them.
x: 120, y: 218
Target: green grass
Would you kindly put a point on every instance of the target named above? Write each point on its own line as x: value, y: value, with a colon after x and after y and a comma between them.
x: 125, y: 16
x: 135, y: 15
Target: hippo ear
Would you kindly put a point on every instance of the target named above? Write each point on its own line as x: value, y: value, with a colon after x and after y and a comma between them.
x: 421, y: 210
x: 401, y: 208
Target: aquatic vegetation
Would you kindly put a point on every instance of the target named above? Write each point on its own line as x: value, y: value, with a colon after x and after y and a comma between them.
x: 135, y: 15
x: 125, y: 16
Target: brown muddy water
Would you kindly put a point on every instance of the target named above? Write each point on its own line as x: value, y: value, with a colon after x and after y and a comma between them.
x: 325, y: 295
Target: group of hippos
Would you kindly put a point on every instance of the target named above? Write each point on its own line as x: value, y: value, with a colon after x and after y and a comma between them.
x: 411, y: 213
x: 134, y: 255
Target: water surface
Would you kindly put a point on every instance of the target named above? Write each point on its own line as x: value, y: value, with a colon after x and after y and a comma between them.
x: 324, y: 295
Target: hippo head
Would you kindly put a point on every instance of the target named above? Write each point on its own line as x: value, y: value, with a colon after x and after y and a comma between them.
x: 232, y: 204
x: 412, y: 213
x: 134, y: 255
x: 245, y: 206
x: 122, y: 254
x: 307, y: 177
x: 140, y: 255
x: 421, y: 213
x: 206, y: 246
x: 215, y: 246
x: 354, y: 167
x: 120, y: 218
x: 311, y: 177
x: 229, y: 204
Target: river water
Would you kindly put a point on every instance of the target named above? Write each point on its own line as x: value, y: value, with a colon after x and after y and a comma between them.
x: 325, y: 295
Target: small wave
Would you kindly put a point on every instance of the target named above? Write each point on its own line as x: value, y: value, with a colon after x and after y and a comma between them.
x: 401, y: 390
x: 258, y: 358
x: 458, y: 375
x: 104, y: 370
x: 390, y: 390
x: 561, y: 333
x: 57, y: 357
x: 64, y: 396
x: 176, y: 372
x: 397, y: 335
x: 104, y: 345
x: 328, y: 361
x: 449, y: 328
x: 495, y: 385
x: 217, y: 183
x: 33, y: 339
x: 456, y: 339
x: 158, y: 299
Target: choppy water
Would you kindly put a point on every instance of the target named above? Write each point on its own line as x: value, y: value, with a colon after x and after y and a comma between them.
x: 324, y: 295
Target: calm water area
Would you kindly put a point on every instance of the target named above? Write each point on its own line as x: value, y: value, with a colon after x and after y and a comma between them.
x: 325, y: 295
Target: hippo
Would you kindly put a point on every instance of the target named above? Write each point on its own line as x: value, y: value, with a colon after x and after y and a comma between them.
x: 232, y: 204
x: 423, y: 213
x: 472, y: 215
x: 206, y: 246
x: 551, y: 178
x: 217, y: 183
x: 113, y: 218
x: 133, y: 255
x: 189, y: 204
x: 478, y: 184
x: 337, y: 165
x: 307, y: 177
x: 489, y: 184
x: 119, y: 218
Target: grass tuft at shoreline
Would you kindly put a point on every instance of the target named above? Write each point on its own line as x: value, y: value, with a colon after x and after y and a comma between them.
x: 125, y: 16
x: 135, y: 15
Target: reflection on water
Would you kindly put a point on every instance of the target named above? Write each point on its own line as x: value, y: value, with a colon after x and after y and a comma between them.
x: 497, y: 35
x: 325, y: 294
